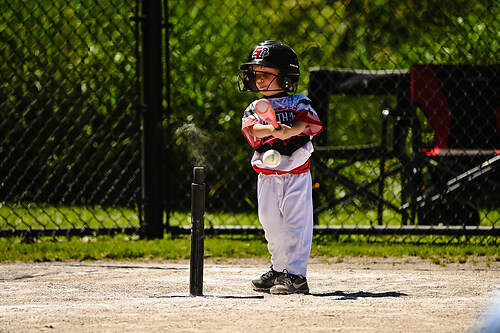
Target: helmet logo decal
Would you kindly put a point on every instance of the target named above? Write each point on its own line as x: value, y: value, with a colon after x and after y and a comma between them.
x: 260, y: 52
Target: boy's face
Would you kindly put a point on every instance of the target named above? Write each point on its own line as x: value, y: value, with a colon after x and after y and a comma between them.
x: 266, y: 80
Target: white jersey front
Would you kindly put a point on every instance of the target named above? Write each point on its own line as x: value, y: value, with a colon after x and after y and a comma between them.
x: 296, y: 150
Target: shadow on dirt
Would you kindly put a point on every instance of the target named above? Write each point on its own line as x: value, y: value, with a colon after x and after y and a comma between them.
x: 360, y: 294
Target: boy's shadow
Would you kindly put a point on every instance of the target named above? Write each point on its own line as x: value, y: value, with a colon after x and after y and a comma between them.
x: 356, y: 295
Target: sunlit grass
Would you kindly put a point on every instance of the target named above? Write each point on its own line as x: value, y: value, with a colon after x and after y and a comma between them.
x: 35, y: 216
x: 123, y: 247
x: 25, y: 216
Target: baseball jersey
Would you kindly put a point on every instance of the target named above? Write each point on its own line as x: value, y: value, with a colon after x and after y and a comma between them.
x: 295, y: 151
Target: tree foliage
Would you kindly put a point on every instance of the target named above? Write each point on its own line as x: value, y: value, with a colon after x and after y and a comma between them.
x: 68, y: 90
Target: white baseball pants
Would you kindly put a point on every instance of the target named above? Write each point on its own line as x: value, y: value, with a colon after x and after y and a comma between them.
x: 286, y: 214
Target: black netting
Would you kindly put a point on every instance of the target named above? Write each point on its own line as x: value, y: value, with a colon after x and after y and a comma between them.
x: 407, y: 92
x: 357, y: 59
x: 69, y: 145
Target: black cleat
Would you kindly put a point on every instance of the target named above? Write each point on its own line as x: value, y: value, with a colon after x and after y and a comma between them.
x: 291, y: 284
x: 267, y: 280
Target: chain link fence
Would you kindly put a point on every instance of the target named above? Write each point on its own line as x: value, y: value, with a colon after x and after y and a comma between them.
x: 69, y: 156
x: 357, y: 59
x: 390, y: 161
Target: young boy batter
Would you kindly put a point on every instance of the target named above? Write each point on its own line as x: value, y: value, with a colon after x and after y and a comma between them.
x: 284, y: 192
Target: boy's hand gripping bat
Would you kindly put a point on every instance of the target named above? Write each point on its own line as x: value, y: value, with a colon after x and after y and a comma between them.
x: 266, y: 112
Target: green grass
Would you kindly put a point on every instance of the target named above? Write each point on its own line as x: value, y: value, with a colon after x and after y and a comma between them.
x: 31, y: 215
x: 25, y: 216
x: 122, y: 247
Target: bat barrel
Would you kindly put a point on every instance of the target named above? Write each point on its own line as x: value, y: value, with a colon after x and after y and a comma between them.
x: 197, y: 232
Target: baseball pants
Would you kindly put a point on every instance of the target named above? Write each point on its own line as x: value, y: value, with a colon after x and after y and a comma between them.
x: 286, y: 214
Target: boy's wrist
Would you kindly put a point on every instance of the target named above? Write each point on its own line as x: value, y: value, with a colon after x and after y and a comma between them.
x: 261, y: 130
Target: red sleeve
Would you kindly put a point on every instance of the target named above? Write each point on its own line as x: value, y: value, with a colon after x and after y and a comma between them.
x: 245, y: 128
x: 312, y: 119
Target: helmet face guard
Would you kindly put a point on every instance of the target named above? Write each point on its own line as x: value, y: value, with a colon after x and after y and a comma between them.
x: 274, y: 55
x: 246, y: 81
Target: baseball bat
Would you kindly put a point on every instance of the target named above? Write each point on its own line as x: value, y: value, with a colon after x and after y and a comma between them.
x: 266, y: 112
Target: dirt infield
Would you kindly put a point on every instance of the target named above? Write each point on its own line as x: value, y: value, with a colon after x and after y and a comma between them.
x: 349, y: 295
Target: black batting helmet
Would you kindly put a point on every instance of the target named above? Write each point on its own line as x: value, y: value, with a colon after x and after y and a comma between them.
x: 275, y: 55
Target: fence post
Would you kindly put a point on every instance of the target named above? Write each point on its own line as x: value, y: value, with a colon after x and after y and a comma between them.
x: 383, y: 148
x: 151, y: 120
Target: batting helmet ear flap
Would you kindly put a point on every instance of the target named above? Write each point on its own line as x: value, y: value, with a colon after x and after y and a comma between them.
x: 287, y: 82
